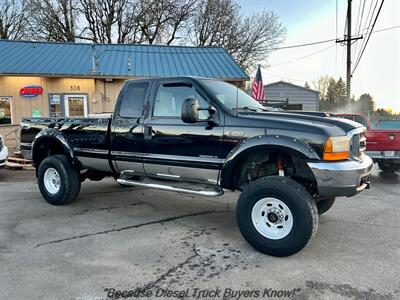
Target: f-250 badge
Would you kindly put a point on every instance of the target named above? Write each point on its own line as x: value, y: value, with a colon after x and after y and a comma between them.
x: 235, y: 133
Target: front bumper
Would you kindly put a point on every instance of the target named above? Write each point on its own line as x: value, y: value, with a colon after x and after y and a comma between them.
x: 3, y: 156
x: 344, y: 178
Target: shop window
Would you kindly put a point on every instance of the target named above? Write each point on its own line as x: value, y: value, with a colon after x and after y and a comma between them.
x: 55, y: 108
x: 5, y: 110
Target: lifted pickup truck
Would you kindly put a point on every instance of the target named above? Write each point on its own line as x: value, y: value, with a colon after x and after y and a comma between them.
x: 203, y: 136
x: 383, y: 145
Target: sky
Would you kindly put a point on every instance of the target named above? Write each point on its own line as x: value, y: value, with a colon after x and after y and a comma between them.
x: 378, y: 72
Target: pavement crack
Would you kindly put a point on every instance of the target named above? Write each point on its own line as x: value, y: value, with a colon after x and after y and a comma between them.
x: 165, y: 220
x: 154, y: 283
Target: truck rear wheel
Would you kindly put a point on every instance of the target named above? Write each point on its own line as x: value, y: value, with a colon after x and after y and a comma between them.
x: 277, y: 215
x: 388, y: 167
x: 58, y: 181
x: 324, y: 204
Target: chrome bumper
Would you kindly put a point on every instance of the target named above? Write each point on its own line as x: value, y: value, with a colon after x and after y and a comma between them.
x: 344, y: 178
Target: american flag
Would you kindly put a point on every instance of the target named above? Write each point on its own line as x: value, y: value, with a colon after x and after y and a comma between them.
x: 257, y: 88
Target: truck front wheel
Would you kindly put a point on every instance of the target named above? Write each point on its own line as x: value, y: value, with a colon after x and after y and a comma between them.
x: 59, y: 183
x: 277, y: 215
x: 388, y: 167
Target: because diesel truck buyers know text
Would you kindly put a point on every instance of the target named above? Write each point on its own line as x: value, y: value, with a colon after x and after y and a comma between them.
x: 204, y: 136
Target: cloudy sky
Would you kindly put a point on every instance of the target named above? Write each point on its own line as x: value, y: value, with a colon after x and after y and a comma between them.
x: 378, y: 72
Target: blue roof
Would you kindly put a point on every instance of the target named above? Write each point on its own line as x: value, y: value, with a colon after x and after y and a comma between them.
x: 113, y: 60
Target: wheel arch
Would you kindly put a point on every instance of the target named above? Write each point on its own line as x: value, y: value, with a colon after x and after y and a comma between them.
x: 50, y: 142
x: 283, y: 144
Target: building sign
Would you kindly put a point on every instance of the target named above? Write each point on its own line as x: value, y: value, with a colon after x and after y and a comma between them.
x: 31, y: 91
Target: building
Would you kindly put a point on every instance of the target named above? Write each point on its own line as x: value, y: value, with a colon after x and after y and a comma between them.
x: 291, y: 96
x: 75, y: 80
x: 64, y: 79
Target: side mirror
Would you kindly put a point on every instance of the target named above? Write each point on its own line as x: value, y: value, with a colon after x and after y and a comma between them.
x: 190, y: 111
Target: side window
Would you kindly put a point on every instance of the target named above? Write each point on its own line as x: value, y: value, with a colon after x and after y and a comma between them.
x: 133, y: 96
x: 170, y: 97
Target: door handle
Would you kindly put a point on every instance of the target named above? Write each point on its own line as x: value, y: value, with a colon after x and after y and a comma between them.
x: 148, y: 132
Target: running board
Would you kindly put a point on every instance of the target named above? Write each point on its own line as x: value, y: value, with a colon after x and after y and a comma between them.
x: 180, y: 187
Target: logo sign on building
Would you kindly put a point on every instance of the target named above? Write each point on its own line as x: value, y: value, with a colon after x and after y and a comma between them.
x: 31, y: 91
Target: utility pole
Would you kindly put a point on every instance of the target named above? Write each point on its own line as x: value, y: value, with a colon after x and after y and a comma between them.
x: 348, y: 41
x: 348, y: 63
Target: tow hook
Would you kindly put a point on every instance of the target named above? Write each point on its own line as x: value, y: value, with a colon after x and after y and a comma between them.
x: 367, y: 182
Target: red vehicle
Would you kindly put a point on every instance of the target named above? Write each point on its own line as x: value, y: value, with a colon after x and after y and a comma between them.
x: 383, y: 145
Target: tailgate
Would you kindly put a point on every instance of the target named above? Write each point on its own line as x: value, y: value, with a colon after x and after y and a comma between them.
x: 383, y: 140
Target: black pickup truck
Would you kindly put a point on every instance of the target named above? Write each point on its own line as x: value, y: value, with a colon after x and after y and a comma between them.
x: 204, y: 137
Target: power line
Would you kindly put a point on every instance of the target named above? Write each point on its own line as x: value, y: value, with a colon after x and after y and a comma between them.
x: 369, y: 36
x: 365, y: 29
x: 322, y: 50
x: 323, y: 41
x: 385, y: 29
x: 358, y: 25
x: 303, y: 45
x: 303, y: 57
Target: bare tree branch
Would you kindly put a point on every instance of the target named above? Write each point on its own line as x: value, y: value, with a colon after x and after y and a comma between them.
x: 13, y: 19
x: 53, y: 20
x: 247, y: 38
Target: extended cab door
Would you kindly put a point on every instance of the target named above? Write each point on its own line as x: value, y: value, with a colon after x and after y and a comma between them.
x: 127, y: 128
x: 177, y: 150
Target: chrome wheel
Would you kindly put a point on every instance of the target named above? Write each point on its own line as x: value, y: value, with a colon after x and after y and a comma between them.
x: 52, y: 181
x: 272, y: 218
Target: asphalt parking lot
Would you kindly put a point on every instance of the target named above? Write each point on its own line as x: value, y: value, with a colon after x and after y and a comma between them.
x: 122, y: 238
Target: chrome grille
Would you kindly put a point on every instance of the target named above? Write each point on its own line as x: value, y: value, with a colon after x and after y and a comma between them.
x: 358, y: 145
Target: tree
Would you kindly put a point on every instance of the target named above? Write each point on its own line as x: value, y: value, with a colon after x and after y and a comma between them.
x: 321, y: 86
x: 248, y: 39
x: 53, y: 20
x: 340, y: 95
x: 160, y: 21
x: 100, y: 16
x: 365, y: 104
x: 13, y: 19
x: 332, y: 94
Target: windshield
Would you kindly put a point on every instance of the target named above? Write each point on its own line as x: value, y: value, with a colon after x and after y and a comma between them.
x: 227, y: 93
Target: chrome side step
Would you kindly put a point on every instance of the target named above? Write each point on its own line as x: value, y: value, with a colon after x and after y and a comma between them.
x: 180, y: 187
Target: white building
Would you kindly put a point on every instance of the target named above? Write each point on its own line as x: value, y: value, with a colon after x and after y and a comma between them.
x: 296, y: 97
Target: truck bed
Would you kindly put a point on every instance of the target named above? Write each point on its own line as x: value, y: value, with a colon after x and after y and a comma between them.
x: 81, y: 132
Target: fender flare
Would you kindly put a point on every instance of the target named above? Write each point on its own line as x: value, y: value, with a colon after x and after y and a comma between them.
x: 276, y: 142
x: 54, y: 135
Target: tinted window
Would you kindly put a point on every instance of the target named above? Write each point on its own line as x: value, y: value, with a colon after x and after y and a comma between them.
x: 229, y: 95
x: 170, y: 98
x: 133, y: 96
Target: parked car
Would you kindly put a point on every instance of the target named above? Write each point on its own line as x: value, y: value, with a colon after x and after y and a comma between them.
x: 383, y: 145
x: 203, y: 136
x: 3, y: 152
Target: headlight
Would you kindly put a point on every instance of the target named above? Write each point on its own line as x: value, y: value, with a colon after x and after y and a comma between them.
x: 337, y: 148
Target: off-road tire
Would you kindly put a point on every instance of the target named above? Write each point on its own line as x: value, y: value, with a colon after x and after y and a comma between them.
x: 324, y: 204
x: 295, y: 197
x: 70, y: 182
x: 388, y: 167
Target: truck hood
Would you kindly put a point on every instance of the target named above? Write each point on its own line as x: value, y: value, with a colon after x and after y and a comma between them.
x: 332, y: 125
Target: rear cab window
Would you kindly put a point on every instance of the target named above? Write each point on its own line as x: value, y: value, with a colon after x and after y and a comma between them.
x: 133, y: 97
